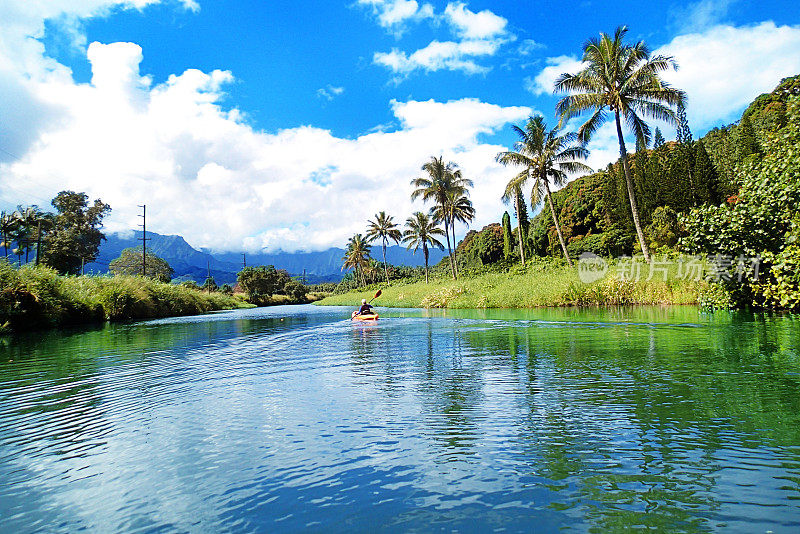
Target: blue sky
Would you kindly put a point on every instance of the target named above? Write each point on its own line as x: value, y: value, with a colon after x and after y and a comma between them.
x: 255, y: 124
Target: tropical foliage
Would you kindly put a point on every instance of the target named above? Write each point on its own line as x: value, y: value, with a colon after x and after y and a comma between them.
x: 448, y: 190
x: 546, y: 158
x: 75, y: 237
x: 384, y: 229
x: 422, y: 232
x: 130, y: 262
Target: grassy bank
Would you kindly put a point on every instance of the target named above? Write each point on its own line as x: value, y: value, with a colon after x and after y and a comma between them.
x: 538, y: 286
x: 38, y: 297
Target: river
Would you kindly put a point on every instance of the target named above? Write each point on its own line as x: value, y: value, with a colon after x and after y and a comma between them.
x: 295, y: 419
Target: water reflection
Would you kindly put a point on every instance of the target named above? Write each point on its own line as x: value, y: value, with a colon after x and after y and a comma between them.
x: 296, y: 418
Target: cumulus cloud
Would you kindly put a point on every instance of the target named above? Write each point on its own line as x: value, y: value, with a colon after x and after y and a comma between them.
x: 543, y: 82
x: 208, y: 175
x: 723, y: 68
x: 439, y: 55
x: 479, y: 35
x: 470, y: 25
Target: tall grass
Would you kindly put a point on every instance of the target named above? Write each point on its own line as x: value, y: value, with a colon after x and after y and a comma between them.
x: 537, y: 285
x: 34, y: 297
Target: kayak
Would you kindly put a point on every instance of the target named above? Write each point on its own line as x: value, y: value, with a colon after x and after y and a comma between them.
x: 364, y: 317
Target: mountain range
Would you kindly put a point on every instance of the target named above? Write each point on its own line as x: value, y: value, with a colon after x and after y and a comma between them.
x: 190, y: 263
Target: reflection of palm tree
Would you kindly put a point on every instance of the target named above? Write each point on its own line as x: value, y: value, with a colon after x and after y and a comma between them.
x: 383, y: 228
x: 443, y: 185
x: 625, y: 79
x: 545, y: 157
x: 357, y: 256
x: 422, y: 232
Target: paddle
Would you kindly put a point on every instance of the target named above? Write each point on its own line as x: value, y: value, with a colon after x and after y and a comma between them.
x: 378, y: 294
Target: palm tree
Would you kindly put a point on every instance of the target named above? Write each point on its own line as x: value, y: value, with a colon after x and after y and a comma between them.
x: 8, y: 223
x: 624, y: 79
x: 383, y: 228
x: 443, y: 185
x: 422, y: 231
x: 357, y: 256
x: 459, y: 209
x: 546, y: 157
x: 27, y: 219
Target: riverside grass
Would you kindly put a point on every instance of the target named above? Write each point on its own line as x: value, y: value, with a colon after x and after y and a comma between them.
x: 538, y: 286
x: 38, y: 297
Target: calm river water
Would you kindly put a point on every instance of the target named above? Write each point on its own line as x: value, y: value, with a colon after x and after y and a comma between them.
x: 294, y: 419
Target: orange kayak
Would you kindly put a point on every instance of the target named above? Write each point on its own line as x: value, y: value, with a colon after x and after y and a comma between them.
x: 365, y: 317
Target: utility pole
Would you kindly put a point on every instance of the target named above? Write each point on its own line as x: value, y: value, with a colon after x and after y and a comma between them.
x: 244, y: 260
x: 304, y: 276
x: 144, y: 239
x: 38, y: 241
x: 208, y: 278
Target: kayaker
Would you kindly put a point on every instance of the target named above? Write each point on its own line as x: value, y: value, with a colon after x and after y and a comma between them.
x: 365, y: 308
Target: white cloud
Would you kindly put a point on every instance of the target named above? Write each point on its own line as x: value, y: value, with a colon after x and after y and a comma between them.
x: 543, y: 82
x: 528, y: 47
x: 394, y: 15
x: 329, y: 92
x: 470, y: 25
x: 479, y: 35
x: 439, y: 55
x: 725, y: 67
x: 206, y: 174
x: 701, y: 15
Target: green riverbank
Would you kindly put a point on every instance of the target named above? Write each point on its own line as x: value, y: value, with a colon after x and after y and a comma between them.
x: 38, y: 297
x: 540, y: 286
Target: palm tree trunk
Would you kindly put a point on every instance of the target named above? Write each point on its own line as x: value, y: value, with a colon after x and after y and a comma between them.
x: 385, y: 268
x: 519, y: 231
x: 425, y: 251
x: 449, y: 250
x: 558, y: 226
x: 455, y: 246
x: 629, y: 182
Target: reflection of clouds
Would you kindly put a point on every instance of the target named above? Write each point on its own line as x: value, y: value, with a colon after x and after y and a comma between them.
x: 479, y: 418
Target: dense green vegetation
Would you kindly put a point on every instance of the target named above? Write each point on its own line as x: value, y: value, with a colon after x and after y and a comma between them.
x: 38, y: 296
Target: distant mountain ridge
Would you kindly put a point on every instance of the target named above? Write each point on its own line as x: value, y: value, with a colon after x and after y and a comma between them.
x: 192, y: 264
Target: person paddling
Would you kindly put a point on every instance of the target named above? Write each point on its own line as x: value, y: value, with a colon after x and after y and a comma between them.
x: 365, y: 308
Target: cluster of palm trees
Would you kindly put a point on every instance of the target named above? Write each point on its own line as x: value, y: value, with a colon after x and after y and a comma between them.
x: 617, y: 79
x: 446, y: 188
x: 23, y: 227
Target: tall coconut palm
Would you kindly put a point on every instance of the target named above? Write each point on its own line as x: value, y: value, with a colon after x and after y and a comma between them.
x: 546, y: 157
x: 443, y: 185
x: 357, y: 257
x: 458, y: 209
x: 383, y: 228
x: 8, y: 224
x: 421, y: 232
x: 624, y: 79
